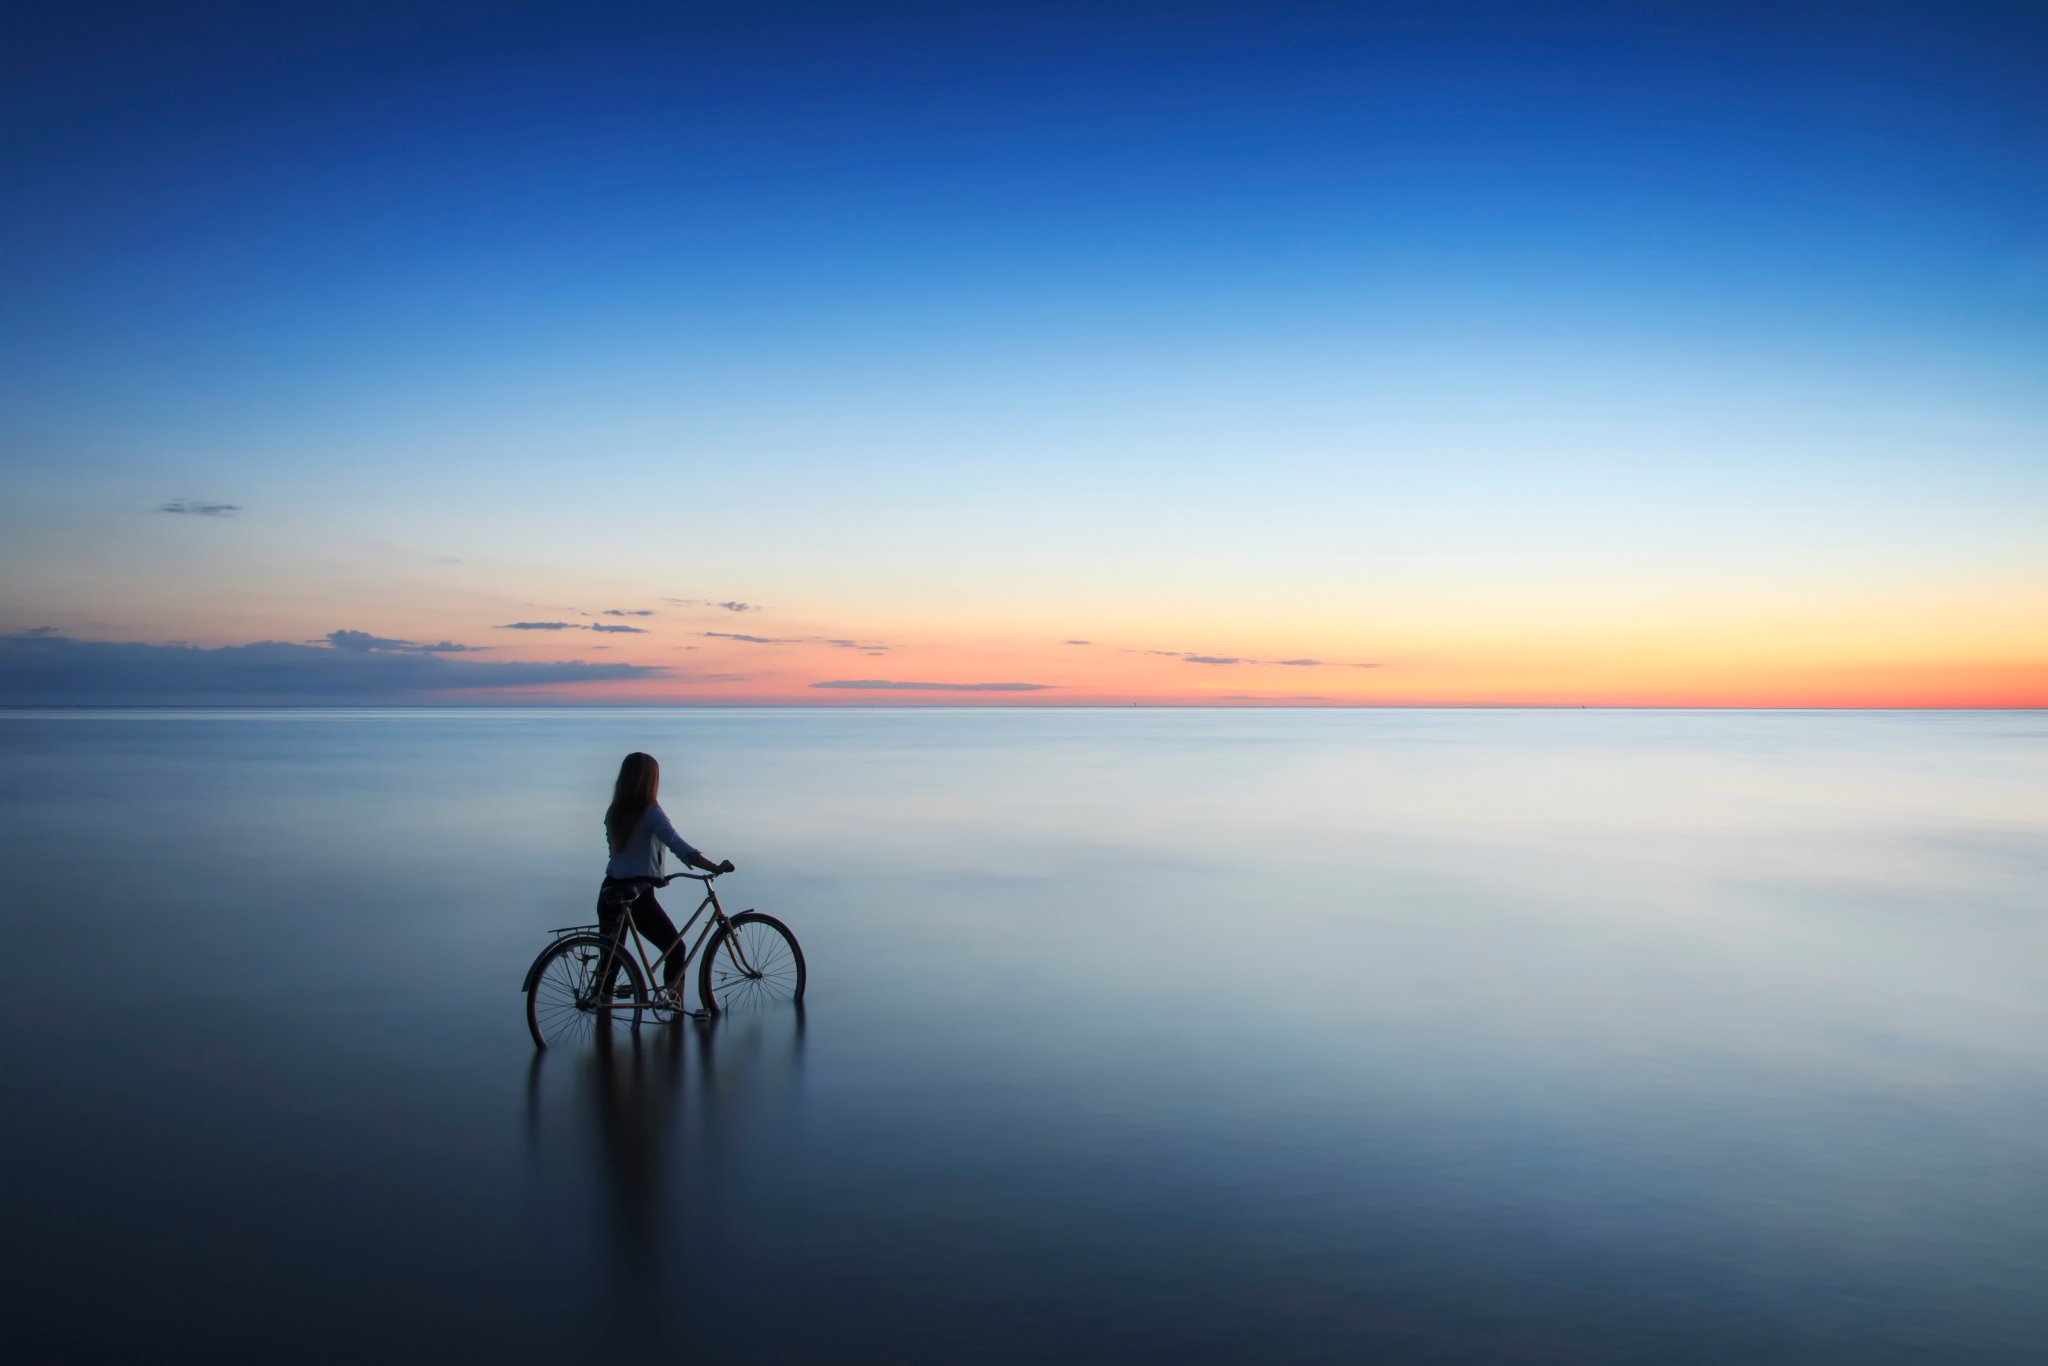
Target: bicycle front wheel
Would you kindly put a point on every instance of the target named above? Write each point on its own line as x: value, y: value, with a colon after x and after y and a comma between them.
x: 754, y: 961
x: 569, y: 1005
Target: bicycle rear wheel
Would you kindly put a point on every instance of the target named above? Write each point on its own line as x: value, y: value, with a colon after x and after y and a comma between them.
x: 569, y: 1005
x: 753, y: 961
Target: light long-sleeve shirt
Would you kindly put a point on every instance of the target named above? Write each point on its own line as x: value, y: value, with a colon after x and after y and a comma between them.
x: 641, y: 856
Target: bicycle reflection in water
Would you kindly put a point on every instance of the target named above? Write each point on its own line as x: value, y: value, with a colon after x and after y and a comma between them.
x: 649, y: 1142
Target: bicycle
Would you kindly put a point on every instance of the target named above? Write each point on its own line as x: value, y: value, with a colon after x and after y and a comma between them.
x: 585, y: 982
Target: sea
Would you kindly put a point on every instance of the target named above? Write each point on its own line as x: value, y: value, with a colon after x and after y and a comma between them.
x: 1131, y: 1035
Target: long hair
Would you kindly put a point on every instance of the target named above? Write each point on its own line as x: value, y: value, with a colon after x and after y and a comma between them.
x: 639, y: 781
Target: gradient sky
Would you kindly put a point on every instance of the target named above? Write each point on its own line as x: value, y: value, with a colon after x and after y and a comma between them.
x: 1513, y: 353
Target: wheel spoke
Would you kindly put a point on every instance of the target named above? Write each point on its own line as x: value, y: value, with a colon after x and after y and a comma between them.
x: 569, y: 1004
x: 753, y: 963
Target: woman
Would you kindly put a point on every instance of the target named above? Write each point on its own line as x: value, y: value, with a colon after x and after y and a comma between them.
x: 635, y: 828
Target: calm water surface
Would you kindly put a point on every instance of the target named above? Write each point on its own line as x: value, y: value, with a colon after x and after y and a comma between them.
x: 1132, y: 1036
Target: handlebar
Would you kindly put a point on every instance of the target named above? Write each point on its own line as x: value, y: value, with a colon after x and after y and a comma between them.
x: 711, y: 876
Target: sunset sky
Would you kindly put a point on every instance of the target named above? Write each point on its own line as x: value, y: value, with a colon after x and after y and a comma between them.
x: 1046, y: 354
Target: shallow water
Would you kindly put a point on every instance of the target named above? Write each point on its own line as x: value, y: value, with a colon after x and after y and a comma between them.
x: 1131, y: 1036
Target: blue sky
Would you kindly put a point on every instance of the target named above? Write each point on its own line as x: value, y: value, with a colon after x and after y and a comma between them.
x: 1384, y: 329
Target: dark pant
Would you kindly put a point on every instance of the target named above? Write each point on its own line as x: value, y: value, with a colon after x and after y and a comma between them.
x: 652, y: 922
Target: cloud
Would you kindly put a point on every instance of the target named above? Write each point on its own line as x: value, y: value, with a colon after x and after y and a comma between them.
x: 873, y: 647
x: 364, y: 641
x: 1080, y: 642
x: 615, y: 612
x: 45, y: 669
x: 1237, y: 659
x: 707, y: 602
x: 1192, y: 658
x: 616, y: 627
x: 882, y: 685
x: 192, y: 507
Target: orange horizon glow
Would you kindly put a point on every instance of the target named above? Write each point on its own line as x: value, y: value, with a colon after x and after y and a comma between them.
x: 1953, y: 651
x: 1147, y: 682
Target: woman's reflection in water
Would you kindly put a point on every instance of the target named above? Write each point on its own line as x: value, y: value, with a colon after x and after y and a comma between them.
x: 635, y: 1084
x: 668, y: 1170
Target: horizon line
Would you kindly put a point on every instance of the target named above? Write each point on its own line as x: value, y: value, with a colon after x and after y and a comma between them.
x: 9, y: 708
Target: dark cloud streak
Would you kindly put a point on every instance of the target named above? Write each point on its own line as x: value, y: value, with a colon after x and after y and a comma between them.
x: 871, y: 646
x: 883, y: 685
x: 1236, y: 659
x: 363, y: 641
x: 52, y: 670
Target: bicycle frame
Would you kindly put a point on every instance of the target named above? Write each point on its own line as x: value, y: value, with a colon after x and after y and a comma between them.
x: 718, y: 918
